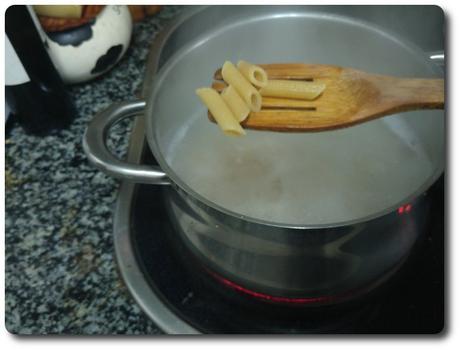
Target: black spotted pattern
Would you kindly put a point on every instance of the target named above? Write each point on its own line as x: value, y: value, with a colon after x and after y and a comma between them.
x: 73, y: 36
x: 108, y: 59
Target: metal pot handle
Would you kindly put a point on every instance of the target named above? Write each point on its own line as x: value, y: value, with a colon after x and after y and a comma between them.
x: 95, y: 147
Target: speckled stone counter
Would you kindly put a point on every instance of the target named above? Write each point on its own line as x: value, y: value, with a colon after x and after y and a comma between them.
x: 61, y: 273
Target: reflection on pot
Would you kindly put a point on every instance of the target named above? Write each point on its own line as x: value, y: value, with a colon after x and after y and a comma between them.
x: 295, y: 263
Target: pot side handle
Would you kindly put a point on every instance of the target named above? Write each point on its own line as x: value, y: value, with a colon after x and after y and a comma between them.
x: 95, y: 146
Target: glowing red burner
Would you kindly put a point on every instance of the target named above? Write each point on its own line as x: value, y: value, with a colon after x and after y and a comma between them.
x: 271, y: 298
x: 404, y: 209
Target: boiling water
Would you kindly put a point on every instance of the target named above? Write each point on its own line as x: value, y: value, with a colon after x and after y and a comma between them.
x: 301, y: 178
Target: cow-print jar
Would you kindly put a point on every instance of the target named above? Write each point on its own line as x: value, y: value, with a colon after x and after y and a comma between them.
x: 82, y: 53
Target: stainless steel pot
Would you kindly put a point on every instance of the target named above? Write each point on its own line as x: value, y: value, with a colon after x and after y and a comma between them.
x: 316, y: 260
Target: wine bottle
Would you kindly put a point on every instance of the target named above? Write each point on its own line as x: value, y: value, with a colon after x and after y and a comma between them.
x: 34, y: 90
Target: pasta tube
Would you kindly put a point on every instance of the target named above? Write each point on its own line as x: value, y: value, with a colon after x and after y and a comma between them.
x: 220, y: 111
x: 305, y: 90
x: 248, y: 92
x: 236, y: 104
x: 255, y: 74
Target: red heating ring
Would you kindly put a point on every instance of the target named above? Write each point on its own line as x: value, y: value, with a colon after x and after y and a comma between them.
x: 404, y: 209
x: 277, y: 299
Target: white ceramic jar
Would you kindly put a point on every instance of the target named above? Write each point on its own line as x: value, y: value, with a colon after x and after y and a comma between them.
x: 87, y: 51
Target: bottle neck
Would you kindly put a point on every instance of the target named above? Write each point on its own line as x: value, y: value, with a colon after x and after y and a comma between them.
x: 29, y: 46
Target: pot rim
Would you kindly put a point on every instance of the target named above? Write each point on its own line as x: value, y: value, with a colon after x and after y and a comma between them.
x: 155, y: 148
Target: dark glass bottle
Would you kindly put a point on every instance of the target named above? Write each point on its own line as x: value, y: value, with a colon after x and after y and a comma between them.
x: 34, y: 90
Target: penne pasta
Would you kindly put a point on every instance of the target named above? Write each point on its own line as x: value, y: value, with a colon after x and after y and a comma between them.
x: 248, y: 92
x: 236, y: 104
x: 255, y: 74
x: 304, y: 90
x: 220, y: 111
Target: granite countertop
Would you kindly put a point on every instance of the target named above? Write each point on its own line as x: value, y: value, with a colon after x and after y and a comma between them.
x: 61, y: 275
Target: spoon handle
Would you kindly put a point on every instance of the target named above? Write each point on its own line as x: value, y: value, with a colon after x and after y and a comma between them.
x: 410, y: 94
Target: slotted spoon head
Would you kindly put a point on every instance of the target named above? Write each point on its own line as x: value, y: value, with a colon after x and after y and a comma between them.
x: 351, y: 97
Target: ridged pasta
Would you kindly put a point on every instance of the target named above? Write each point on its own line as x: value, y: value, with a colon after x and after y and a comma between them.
x: 220, y: 111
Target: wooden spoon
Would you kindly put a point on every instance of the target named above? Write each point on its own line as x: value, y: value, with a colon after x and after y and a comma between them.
x: 351, y: 97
